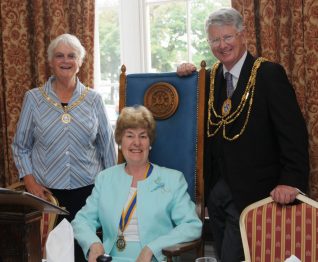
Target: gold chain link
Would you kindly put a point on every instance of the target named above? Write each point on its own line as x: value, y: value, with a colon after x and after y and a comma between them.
x: 58, y: 105
x: 222, y: 121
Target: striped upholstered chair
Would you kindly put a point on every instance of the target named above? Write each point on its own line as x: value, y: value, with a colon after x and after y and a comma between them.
x: 272, y: 232
x: 177, y: 104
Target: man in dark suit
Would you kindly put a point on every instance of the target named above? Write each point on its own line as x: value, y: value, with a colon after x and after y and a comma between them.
x: 256, y: 141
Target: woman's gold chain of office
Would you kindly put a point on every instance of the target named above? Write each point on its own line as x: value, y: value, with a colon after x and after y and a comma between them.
x: 66, y: 117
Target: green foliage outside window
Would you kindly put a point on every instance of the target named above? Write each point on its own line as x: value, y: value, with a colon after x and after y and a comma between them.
x: 168, y: 34
x: 109, y: 42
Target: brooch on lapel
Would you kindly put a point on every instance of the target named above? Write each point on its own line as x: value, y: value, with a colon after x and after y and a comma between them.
x: 159, y: 184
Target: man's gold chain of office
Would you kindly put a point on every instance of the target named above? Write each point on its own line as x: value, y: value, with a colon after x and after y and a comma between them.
x: 221, y: 121
x: 66, y: 117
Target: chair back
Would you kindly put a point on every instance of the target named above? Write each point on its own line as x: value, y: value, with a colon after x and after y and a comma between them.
x: 177, y: 104
x: 273, y: 232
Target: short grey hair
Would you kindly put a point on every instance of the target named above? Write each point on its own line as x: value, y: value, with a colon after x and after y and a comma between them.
x: 67, y: 39
x: 225, y: 16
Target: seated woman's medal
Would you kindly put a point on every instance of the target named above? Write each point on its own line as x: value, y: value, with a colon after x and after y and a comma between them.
x: 121, y: 243
x: 226, y: 107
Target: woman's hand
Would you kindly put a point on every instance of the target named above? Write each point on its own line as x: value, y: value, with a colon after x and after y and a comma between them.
x: 145, y: 255
x: 95, y: 250
x: 34, y: 188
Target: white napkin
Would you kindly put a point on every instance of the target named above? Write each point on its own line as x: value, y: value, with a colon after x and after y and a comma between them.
x: 60, y: 243
x: 292, y: 258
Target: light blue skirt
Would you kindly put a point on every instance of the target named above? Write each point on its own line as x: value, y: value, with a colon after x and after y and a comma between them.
x: 130, y: 253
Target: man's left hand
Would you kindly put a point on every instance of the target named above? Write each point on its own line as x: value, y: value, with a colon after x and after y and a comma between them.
x: 284, y: 194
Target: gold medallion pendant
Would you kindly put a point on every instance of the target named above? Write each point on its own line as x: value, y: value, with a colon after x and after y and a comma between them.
x: 121, y: 243
x: 226, y: 107
x: 66, y: 118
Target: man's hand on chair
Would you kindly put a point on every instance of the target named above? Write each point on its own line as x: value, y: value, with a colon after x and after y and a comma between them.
x: 185, y: 69
x: 284, y: 194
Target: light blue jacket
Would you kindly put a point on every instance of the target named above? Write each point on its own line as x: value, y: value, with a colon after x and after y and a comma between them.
x: 166, y: 214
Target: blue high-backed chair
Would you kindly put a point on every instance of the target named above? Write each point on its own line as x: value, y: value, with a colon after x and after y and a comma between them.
x: 177, y: 104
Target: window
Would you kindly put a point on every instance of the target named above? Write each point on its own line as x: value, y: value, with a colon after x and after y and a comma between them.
x: 176, y: 32
x: 148, y: 36
x: 107, y: 55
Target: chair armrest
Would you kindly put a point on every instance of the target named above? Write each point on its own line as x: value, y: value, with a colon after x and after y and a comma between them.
x: 178, y: 249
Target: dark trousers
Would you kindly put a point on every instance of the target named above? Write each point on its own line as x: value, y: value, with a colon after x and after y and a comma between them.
x: 73, y: 200
x: 224, y: 221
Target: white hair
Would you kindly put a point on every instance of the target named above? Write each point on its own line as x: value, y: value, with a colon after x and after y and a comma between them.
x: 70, y: 40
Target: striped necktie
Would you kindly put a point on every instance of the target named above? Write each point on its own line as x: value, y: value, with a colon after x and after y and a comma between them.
x: 229, y: 84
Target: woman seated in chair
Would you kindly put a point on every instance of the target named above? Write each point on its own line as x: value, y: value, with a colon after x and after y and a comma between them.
x: 140, y: 206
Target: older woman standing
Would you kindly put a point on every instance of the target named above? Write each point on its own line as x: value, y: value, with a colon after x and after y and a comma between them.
x: 149, y: 209
x: 63, y: 138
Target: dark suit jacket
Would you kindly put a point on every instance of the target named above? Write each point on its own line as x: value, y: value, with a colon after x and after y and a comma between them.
x: 274, y: 146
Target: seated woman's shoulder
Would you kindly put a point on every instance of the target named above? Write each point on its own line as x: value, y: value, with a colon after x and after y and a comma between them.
x: 113, y: 170
x: 165, y: 171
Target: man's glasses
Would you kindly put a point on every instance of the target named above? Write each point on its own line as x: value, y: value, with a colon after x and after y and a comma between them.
x: 228, y: 39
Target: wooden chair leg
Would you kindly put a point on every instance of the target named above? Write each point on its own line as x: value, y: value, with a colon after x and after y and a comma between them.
x: 200, y: 250
x: 169, y: 259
